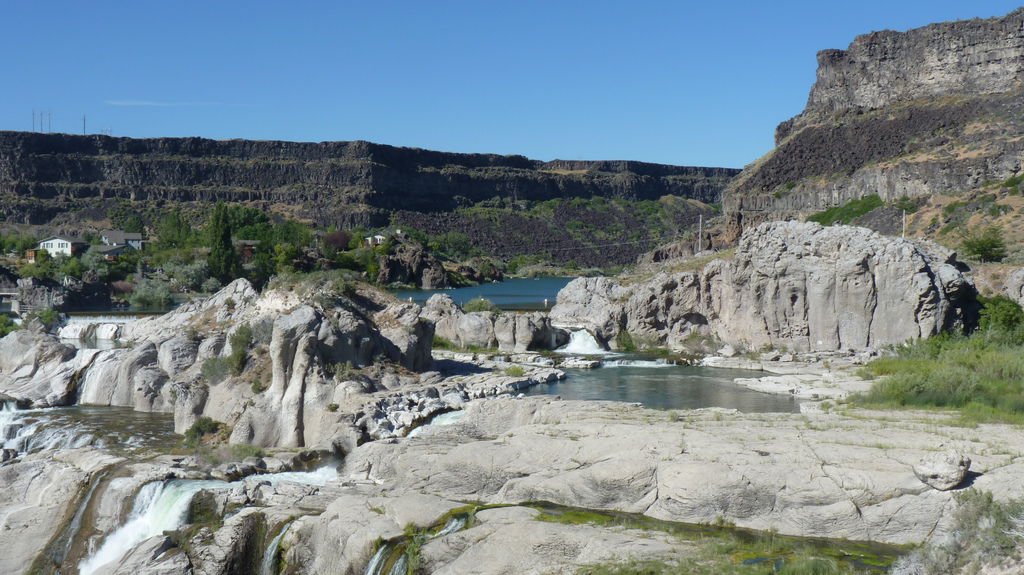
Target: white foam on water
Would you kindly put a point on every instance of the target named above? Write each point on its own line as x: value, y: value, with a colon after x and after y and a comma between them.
x: 440, y: 420
x: 159, y: 506
x: 637, y: 363
x: 581, y: 342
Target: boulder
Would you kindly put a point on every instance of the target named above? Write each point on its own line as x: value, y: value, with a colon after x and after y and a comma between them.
x: 1013, y: 286
x: 408, y: 336
x: 944, y: 470
x: 510, y: 332
x: 412, y: 264
x: 177, y: 354
x: 37, y: 369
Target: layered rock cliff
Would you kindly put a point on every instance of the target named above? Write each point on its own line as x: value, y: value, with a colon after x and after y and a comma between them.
x: 792, y: 285
x: 332, y: 183
x: 935, y: 110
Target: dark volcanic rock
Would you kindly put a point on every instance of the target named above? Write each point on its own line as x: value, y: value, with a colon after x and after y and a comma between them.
x: 935, y: 110
x: 413, y: 265
x: 332, y: 183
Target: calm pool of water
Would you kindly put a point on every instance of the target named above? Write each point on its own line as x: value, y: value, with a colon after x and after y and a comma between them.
x: 667, y: 387
x: 513, y: 294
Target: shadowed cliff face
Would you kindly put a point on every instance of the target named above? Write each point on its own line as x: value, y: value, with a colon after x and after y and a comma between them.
x: 935, y: 110
x: 331, y: 183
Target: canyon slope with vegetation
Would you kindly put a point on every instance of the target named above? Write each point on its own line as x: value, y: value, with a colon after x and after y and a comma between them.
x: 928, y: 121
x: 502, y: 203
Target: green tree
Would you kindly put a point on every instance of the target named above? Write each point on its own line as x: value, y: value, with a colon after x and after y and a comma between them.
x: 173, y: 231
x: 986, y: 245
x: 6, y: 325
x: 42, y: 268
x: 1000, y: 313
x: 224, y: 264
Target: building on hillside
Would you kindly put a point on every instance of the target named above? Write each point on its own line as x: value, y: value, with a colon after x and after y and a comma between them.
x: 111, y: 253
x: 62, y: 246
x: 121, y: 238
x: 246, y: 249
x: 375, y: 240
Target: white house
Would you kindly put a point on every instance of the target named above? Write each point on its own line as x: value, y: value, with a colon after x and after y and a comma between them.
x: 62, y: 246
x: 375, y: 240
x: 121, y: 238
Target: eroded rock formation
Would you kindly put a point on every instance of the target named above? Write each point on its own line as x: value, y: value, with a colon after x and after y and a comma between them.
x: 935, y: 110
x: 790, y: 285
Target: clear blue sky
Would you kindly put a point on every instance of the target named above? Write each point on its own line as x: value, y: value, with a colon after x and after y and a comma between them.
x: 681, y: 82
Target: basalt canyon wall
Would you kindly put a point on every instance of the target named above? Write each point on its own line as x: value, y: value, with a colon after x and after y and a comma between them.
x: 934, y: 110
x: 331, y: 183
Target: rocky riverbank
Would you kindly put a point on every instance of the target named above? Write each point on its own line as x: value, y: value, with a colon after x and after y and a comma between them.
x: 856, y: 475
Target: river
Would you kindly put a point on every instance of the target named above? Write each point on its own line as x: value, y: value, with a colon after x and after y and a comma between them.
x: 513, y: 294
x: 660, y: 385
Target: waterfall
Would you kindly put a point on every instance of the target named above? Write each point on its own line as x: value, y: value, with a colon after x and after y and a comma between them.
x: 637, y: 363
x: 159, y: 506
x: 395, y: 552
x: 377, y: 562
x: 269, y: 564
x: 31, y: 430
x: 581, y: 342
x: 163, y: 506
x: 439, y: 420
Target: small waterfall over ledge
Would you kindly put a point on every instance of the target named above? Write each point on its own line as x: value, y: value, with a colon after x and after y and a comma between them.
x: 269, y: 565
x: 163, y: 506
x: 582, y: 342
x: 159, y: 506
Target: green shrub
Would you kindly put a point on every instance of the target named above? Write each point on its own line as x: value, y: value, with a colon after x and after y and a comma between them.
x: 515, y: 371
x: 7, y: 325
x: 442, y: 343
x: 150, y: 294
x: 243, y: 450
x: 983, y: 532
x: 1000, y: 313
x: 50, y: 318
x: 241, y: 340
x: 202, y: 427
x: 847, y: 212
x: 986, y: 245
x: 982, y: 375
x: 479, y: 304
x: 215, y: 370
x: 624, y: 342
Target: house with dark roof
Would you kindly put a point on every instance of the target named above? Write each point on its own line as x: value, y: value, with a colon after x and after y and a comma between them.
x: 111, y: 253
x: 121, y: 238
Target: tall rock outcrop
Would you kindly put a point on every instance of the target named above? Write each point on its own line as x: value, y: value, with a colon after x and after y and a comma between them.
x: 789, y: 285
x: 935, y: 110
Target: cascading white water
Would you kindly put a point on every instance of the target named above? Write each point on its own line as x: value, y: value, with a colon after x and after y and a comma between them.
x: 30, y: 430
x: 269, y: 564
x: 159, y: 506
x: 316, y: 477
x: 581, y: 342
x: 381, y: 558
x: 163, y: 506
x: 439, y: 420
x: 377, y: 561
x: 637, y: 363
